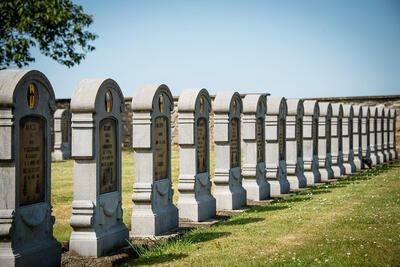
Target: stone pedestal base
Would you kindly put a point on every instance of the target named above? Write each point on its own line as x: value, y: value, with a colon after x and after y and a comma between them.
x: 385, y: 156
x: 197, y: 210
x: 296, y: 182
x: 92, y: 244
x: 373, y: 159
x: 58, y: 155
x: 347, y: 168
x: 46, y: 253
x: 256, y: 191
x: 231, y: 200
x: 357, y: 164
x: 148, y: 222
x: 325, y: 176
x: 336, y: 171
x: 310, y: 180
x: 278, y: 188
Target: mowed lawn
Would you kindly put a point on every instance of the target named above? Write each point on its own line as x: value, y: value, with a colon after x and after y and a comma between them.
x: 355, y: 222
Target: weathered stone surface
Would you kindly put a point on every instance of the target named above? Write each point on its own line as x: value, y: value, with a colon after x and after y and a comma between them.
x: 372, y: 135
x: 324, y: 142
x: 337, y: 141
x: 26, y: 109
x: 347, y: 139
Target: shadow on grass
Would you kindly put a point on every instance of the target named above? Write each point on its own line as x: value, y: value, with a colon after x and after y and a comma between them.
x: 198, y: 237
x: 242, y: 221
x: 270, y: 207
x: 153, y: 259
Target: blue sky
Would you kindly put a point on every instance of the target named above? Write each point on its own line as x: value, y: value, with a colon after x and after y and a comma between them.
x: 286, y: 48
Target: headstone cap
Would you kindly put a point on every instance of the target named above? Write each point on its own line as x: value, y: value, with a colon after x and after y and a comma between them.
x: 310, y: 106
x: 325, y: 108
x: 294, y: 106
x: 251, y: 102
x: 223, y: 99
x: 275, y: 104
x: 59, y: 113
x: 347, y: 110
x: 337, y: 110
x: 188, y: 99
x: 85, y: 94
x: 357, y: 110
x: 365, y: 111
x: 143, y: 98
x: 393, y: 112
x: 10, y: 79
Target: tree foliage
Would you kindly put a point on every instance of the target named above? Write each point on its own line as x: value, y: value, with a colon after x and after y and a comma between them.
x: 56, y: 27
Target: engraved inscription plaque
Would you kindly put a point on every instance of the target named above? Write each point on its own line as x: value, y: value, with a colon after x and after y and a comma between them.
x: 315, y: 136
x: 299, y: 137
x: 260, y: 139
x: 108, y: 155
x: 202, y: 145
x: 281, y: 139
x: 32, y: 167
x: 235, y: 143
x: 161, y: 142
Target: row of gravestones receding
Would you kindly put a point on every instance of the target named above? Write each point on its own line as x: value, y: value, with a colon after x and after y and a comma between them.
x: 264, y: 147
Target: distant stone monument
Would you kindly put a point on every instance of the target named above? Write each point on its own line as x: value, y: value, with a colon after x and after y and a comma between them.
x: 365, y: 141
x: 310, y: 142
x: 98, y: 228
x: 357, y: 150
x: 294, y: 144
x: 196, y: 202
x: 26, y: 224
x: 337, y: 141
x: 347, y: 139
x: 275, y: 149
x: 372, y: 135
x: 392, y: 135
x: 153, y: 210
x: 253, y: 171
x: 228, y: 189
x: 324, y: 142
x: 62, y: 134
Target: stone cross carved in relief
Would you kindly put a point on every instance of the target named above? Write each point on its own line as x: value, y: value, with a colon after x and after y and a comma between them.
x: 26, y: 221
x: 324, y: 141
x: 253, y: 130
x: 275, y: 146
x: 294, y: 144
x: 229, y: 191
x: 153, y: 210
x: 96, y: 107
x: 310, y: 142
x: 196, y: 202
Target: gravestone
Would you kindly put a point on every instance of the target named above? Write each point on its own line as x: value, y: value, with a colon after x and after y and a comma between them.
x: 357, y: 151
x: 228, y: 190
x: 253, y: 171
x: 196, y: 202
x: 372, y: 135
x: 98, y: 228
x: 347, y: 139
x: 337, y: 141
x: 388, y: 130
x: 62, y: 134
x: 392, y: 135
x: 310, y: 142
x: 365, y: 141
x: 275, y: 147
x: 385, y: 152
x: 324, y: 141
x: 153, y: 211
x: 27, y: 104
x: 379, y: 135
x: 294, y: 144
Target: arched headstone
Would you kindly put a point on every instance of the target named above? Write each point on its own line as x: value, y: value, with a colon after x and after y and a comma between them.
x: 62, y: 134
x: 337, y: 140
x: 253, y: 171
x: 347, y: 139
x: 228, y: 190
x: 275, y: 147
x: 27, y: 104
x: 324, y: 141
x: 294, y: 144
x: 196, y: 202
x: 365, y: 142
x: 357, y: 150
x: 379, y: 134
x: 153, y: 211
x: 372, y: 135
x: 392, y: 135
x: 96, y: 107
x: 310, y: 142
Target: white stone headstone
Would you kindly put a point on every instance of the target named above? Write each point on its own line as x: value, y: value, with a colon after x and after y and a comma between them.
x: 26, y: 221
x: 388, y: 119
x: 392, y: 135
x: 275, y: 146
x: 379, y: 134
x: 196, y: 202
x: 97, y: 221
x: 62, y: 134
x: 385, y: 135
x: 337, y: 140
x: 294, y: 144
x: 253, y: 131
x: 228, y: 189
x: 372, y: 135
x: 347, y: 139
x: 365, y: 140
x: 357, y: 150
x: 310, y: 142
x: 324, y: 141
x: 153, y: 210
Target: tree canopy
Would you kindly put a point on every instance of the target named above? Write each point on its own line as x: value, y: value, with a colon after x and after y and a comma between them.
x: 56, y: 27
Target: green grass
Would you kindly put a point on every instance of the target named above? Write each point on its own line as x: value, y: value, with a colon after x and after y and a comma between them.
x: 355, y: 222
